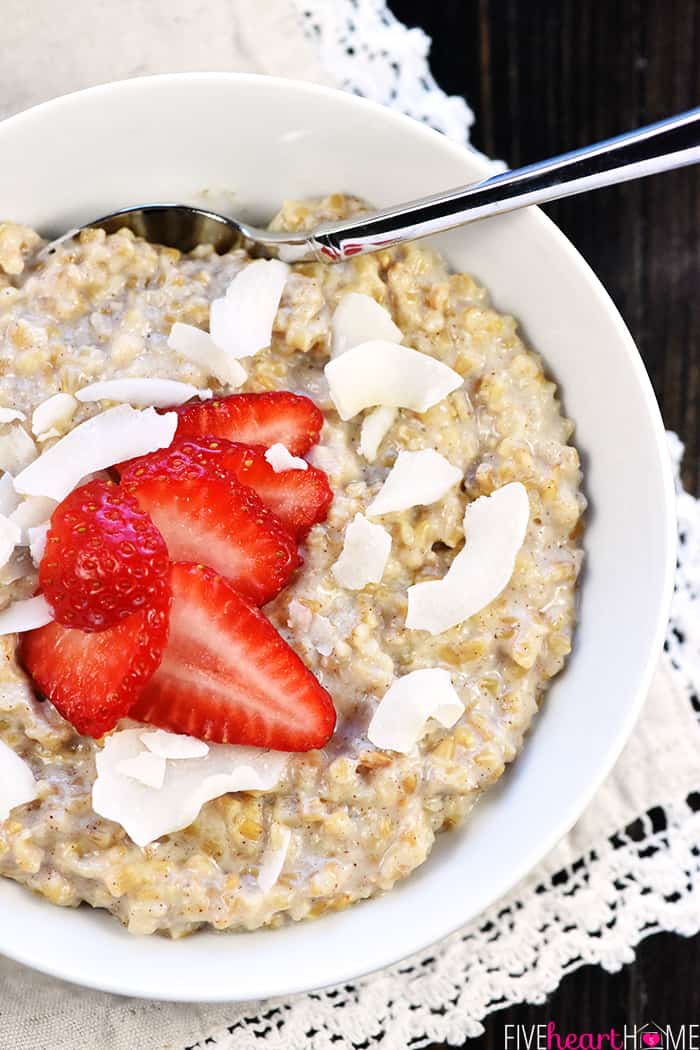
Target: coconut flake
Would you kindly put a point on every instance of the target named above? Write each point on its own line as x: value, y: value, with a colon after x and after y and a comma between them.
x: 241, y: 323
x: 382, y: 373
x: 174, y: 745
x: 375, y: 427
x: 322, y: 635
x: 314, y: 627
x: 17, y: 783
x: 299, y: 616
x: 10, y: 536
x: 416, y: 479
x: 111, y: 437
x: 280, y: 459
x: 17, y: 450
x: 37, y: 541
x: 358, y: 318
x: 274, y: 856
x: 25, y: 615
x: 199, y: 347
x: 401, y: 717
x: 324, y: 458
x: 145, y: 767
x: 147, y: 813
x: 33, y: 511
x: 494, y: 528
x: 52, y: 416
x: 18, y: 567
x: 9, y: 499
x: 142, y: 392
x: 365, y: 552
x: 10, y: 415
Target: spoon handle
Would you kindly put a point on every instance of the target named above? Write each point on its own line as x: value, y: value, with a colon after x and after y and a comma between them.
x: 671, y: 143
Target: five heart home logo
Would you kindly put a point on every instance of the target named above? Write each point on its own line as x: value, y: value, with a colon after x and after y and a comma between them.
x: 651, y: 1037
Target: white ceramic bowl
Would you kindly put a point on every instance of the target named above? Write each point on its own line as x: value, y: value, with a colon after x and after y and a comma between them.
x: 175, y: 137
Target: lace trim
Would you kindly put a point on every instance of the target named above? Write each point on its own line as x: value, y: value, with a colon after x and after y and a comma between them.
x: 372, y: 54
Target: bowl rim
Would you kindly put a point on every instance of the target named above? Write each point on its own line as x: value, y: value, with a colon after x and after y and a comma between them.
x: 385, y: 955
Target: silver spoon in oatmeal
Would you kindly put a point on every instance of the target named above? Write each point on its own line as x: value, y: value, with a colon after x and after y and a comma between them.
x: 671, y: 143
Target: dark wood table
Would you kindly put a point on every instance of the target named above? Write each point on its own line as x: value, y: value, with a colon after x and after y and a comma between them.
x: 544, y: 76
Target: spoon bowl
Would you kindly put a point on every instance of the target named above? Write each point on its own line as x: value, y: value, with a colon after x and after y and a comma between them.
x: 671, y: 143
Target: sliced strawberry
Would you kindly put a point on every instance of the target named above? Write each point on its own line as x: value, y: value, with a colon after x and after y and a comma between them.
x: 93, y: 678
x: 205, y: 515
x: 228, y: 676
x: 255, y: 419
x: 299, y: 498
x: 104, y: 559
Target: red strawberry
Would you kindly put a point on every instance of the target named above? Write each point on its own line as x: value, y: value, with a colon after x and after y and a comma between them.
x: 104, y: 559
x: 228, y: 676
x: 206, y: 516
x: 299, y: 498
x: 93, y: 678
x: 255, y: 419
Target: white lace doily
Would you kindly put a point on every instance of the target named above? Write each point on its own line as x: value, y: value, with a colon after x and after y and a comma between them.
x: 369, y: 52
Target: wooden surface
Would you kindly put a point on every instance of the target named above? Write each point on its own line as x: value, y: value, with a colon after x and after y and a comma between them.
x: 545, y: 76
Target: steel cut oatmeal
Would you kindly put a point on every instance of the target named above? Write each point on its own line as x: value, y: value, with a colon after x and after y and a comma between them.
x: 345, y: 821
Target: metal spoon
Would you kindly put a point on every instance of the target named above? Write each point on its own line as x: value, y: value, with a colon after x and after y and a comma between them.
x: 671, y: 143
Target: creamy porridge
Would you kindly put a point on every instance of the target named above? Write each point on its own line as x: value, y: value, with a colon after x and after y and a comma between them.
x: 349, y: 820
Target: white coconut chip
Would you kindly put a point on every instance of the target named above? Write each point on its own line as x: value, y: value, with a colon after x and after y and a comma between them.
x: 322, y: 635
x: 326, y: 459
x: 274, y: 856
x: 147, y: 768
x: 10, y: 415
x: 401, y: 718
x: 33, y: 511
x: 317, y: 629
x: 416, y: 479
x: 17, y: 783
x: 280, y: 459
x: 37, y: 541
x: 375, y: 427
x: 366, y: 549
x: 241, y: 323
x: 111, y: 437
x: 494, y: 528
x: 299, y: 616
x: 18, y: 567
x: 10, y: 536
x: 174, y: 745
x: 199, y: 347
x: 51, y: 417
x: 17, y: 450
x: 147, y: 813
x: 9, y: 498
x: 382, y: 373
x: 142, y: 392
x: 25, y: 615
x: 358, y: 318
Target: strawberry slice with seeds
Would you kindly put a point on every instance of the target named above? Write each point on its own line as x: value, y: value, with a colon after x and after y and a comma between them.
x: 104, y: 558
x: 255, y: 419
x: 299, y: 498
x: 94, y: 677
x: 205, y: 515
x: 228, y: 676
